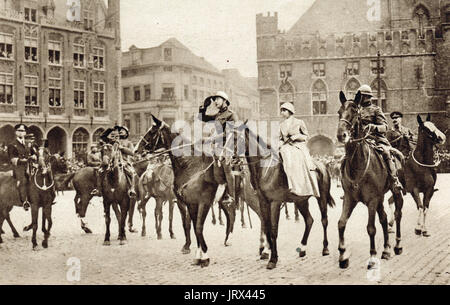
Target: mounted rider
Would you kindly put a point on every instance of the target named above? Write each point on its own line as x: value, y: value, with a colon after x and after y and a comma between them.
x: 94, y: 160
x: 215, y: 109
x: 400, y: 137
x: 374, y: 122
x: 19, y: 154
x: 113, y: 136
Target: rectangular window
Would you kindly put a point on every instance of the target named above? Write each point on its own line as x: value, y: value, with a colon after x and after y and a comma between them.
x: 30, y: 14
x: 99, y: 58
x: 78, y: 94
x: 78, y: 55
x: 54, y: 52
x: 6, y: 46
x: 99, y: 96
x: 352, y: 68
x: 31, y: 49
x: 88, y: 19
x: 285, y: 71
x: 31, y: 90
x: 137, y: 94
x: 319, y: 103
x: 54, y: 95
x: 186, y: 92
x: 168, y: 93
x: 168, y: 69
x: 319, y: 69
x: 167, y: 54
x: 137, y: 119
x: 373, y: 66
x: 148, y: 92
x: 6, y: 89
x: 126, y: 94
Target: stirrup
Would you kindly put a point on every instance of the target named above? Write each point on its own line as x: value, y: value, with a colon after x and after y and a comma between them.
x: 26, y: 205
x: 132, y: 194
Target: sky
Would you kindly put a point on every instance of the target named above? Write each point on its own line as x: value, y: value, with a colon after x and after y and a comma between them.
x: 221, y: 31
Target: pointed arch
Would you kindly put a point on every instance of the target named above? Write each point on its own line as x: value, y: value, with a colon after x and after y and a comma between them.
x: 286, y: 92
x: 319, y: 97
x: 351, y: 87
x: 57, y: 140
x: 421, y: 19
x: 96, y: 135
x: 80, y: 143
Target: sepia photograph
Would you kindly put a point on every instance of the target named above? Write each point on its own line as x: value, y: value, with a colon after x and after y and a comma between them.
x: 224, y: 143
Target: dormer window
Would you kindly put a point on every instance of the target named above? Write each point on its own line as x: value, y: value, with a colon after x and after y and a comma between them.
x: 30, y: 14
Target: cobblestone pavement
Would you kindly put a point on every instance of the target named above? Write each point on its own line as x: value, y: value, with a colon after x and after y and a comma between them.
x: 146, y: 260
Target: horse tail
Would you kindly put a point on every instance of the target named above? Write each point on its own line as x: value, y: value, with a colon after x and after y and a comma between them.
x: 327, y: 179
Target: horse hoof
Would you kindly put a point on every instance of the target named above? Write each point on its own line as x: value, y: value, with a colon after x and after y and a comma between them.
x: 302, y: 254
x: 426, y: 234
x: 386, y: 255
x: 16, y: 236
x: 418, y: 231
x: 143, y: 234
x: 264, y: 256
x: 390, y: 230
x: 221, y: 223
x: 214, y: 222
x: 204, y: 263
x: 132, y: 230
x: 398, y: 251
x: 87, y: 230
x: 172, y: 236
x: 44, y: 244
x: 344, y: 263
x: 325, y: 252
x: 35, y: 247
x: 106, y: 243
x: 371, y: 265
x: 185, y: 251
x: 297, y: 219
x: 122, y: 242
x: 271, y: 265
x: 244, y: 226
x: 196, y: 262
x: 159, y: 237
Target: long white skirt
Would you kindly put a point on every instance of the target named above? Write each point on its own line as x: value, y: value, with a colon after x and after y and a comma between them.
x: 300, y: 170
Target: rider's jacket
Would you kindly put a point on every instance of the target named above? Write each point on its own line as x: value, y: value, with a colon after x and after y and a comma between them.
x: 401, y: 138
x: 372, y: 114
x: 18, y: 152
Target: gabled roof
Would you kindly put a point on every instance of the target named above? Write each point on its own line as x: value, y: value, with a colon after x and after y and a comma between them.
x: 335, y: 16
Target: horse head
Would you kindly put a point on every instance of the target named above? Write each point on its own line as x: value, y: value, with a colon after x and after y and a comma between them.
x: 429, y: 131
x: 348, y: 118
x: 156, y: 138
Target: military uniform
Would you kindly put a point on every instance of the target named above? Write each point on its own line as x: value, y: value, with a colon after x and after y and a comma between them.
x: 401, y: 138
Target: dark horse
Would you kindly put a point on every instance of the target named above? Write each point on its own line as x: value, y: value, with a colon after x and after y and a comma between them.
x: 194, y: 183
x: 41, y: 195
x: 419, y: 172
x: 115, y: 191
x: 364, y: 179
x: 270, y: 182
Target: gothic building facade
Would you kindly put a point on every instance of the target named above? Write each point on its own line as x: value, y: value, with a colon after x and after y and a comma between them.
x: 334, y: 47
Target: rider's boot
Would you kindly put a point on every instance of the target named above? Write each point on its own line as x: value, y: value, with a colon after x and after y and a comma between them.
x: 23, y: 195
x: 98, y: 177
x: 131, y: 181
x: 395, y: 182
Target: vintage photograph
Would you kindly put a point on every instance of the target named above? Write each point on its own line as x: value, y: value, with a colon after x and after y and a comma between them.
x: 224, y: 142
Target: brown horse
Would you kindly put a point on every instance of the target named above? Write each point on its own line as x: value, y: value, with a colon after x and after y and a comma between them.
x: 270, y: 182
x: 9, y: 197
x: 194, y: 183
x: 419, y: 172
x: 364, y: 179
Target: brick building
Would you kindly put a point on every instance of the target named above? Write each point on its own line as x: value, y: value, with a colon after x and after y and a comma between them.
x: 320, y: 56
x: 59, y: 70
x: 170, y: 82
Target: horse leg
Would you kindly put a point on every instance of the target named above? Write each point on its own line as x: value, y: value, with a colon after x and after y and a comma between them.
x: 426, y: 205
x: 371, y: 230
x: 286, y: 211
x: 303, y: 207
x: 263, y: 243
x: 297, y: 216
x: 158, y: 217
x: 213, y: 215
x: 107, y: 210
x: 416, y: 196
x: 274, y: 214
x: 124, y: 207
x: 242, y: 209
x: 230, y: 214
x: 382, y: 217
x: 118, y: 217
x: 130, y: 216
x: 34, y: 221
x: 347, y: 209
x: 193, y: 213
x: 47, y: 213
x: 391, y: 202
x: 323, y: 212
x: 83, y: 200
x: 220, y: 216
x: 13, y: 229
x: 143, y: 211
x: 398, y: 199
x: 184, y: 213
x: 171, y: 204
x: 202, y: 214
x: 2, y: 219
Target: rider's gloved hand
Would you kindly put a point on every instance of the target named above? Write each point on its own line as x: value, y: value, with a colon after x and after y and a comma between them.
x: 370, y: 127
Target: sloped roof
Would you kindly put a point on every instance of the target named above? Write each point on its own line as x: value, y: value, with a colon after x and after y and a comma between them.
x: 335, y: 16
x: 237, y: 80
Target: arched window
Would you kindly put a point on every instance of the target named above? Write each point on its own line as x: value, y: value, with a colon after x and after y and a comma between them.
x: 383, y: 95
x: 351, y: 88
x: 421, y: 19
x: 80, y: 141
x: 96, y: 135
x: 319, y: 98
x: 286, y: 92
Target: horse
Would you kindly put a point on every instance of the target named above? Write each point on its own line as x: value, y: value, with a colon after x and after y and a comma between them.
x: 115, y: 192
x: 419, y: 172
x: 9, y: 197
x: 194, y: 183
x: 160, y: 187
x: 364, y: 179
x: 269, y: 180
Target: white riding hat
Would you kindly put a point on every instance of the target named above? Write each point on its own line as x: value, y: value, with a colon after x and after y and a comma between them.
x: 366, y: 90
x: 288, y: 106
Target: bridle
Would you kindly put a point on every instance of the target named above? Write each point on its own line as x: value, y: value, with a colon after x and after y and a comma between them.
x: 432, y: 138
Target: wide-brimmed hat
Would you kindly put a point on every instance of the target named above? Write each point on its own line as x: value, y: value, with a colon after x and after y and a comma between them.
x: 396, y: 114
x: 288, y: 106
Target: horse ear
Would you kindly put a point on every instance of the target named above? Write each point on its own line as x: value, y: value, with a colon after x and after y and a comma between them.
x: 419, y: 120
x: 342, y: 97
x: 428, y: 117
x: 357, y: 97
x: 156, y: 122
